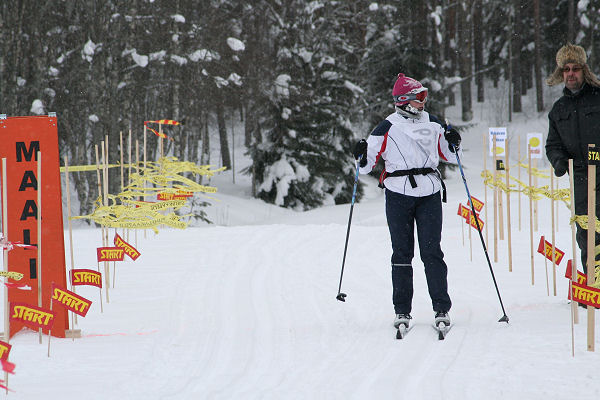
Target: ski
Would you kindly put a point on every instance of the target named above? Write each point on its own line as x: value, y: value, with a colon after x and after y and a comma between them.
x: 442, y: 330
x: 402, y: 330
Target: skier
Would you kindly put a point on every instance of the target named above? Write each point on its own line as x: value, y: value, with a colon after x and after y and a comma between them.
x: 411, y: 141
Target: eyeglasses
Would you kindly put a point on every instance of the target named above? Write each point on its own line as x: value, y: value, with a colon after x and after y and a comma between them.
x: 420, y: 97
x: 569, y: 69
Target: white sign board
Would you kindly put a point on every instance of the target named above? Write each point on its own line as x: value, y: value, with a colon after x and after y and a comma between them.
x: 498, y: 135
x: 535, y: 142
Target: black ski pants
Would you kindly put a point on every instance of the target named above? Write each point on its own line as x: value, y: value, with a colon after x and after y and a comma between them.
x: 402, y: 213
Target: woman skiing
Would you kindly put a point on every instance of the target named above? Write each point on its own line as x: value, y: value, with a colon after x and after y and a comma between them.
x: 412, y: 142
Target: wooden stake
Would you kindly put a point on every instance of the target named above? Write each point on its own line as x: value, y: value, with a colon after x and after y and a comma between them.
x: 553, y: 234
x: 535, y: 202
x: 137, y: 164
x: 102, y: 227
x: 495, y: 202
x: 68, y: 194
x: 574, y: 309
x: 530, y: 214
x: 469, y: 227
x: 508, y: 228
x: 144, y: 165
x: 557, y: 207
x: 5, y: 259
x: 462, y: 228
x: 501, y: 206
x: 485, y: 200
x: 160, y: 141
x: 129, y: 169
x: 519, y: 176
x: 39, y: 232
x: 591, y: 245
x: 105, y: 196
x: 102, y: 193
x: 122, y: 166
x: 50, y: 331
x: 546, y: 268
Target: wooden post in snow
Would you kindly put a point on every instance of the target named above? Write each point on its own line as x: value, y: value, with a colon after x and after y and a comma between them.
x: 68, y: 194
x: 495, y: 201
x: 508, y: 227
x: 591, y: 245
x: 553, y: 234
x: 574, y: 309
x: 519, y: 176
x: 485, y: 150
x: 39, y: 231
x: 530, y: 214
x: 5, y: 258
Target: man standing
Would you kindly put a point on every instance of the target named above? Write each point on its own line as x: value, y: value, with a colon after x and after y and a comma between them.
x: 412, y: 142
x: 574, y: 122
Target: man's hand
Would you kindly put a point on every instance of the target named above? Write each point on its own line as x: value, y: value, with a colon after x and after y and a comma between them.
x: 561, y: 167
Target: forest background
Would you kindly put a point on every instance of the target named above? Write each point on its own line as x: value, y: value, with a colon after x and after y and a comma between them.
x: 298, y: 81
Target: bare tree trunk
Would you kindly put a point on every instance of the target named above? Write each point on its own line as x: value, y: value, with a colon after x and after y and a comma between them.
x: 539, y: 91
x: 449, y: 43
x: 478, y: 48
x: 571, y: 21
x: 516, y: 60
x: 465, y: 60
x: 223, y: 136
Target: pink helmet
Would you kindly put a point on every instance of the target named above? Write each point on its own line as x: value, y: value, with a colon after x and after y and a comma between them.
x: 407, y: 89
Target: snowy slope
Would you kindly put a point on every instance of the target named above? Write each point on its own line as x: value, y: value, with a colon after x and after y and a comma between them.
x: 246, y: 309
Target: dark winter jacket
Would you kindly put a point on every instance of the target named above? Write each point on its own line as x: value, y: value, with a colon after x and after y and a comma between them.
x: 574, y: 122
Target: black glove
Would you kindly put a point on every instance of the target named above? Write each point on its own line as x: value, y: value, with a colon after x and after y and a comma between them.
x: 360, y: 152
x: 452, y: 137
x: 561, y: 167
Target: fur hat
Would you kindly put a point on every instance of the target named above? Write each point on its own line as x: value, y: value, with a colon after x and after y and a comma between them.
x: 571, y: 53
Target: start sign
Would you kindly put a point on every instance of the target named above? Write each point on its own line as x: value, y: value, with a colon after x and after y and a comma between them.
x: 21, y: 139
x: 593, y: 155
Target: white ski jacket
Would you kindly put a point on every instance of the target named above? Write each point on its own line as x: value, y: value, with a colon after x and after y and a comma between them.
x: 405, y: 144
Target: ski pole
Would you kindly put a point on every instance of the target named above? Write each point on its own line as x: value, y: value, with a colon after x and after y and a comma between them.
x: 342, y: 296
x: 504, y: 317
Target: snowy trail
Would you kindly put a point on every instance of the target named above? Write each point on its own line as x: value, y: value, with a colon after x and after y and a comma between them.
x: 249, y: 311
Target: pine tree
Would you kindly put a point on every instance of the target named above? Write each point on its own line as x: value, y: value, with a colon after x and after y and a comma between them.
x: 303, y: 160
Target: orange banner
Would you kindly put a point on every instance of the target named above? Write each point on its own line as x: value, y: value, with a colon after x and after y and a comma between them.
x: 8, y: 367
x: 4, y: 350
x: 129, y: 249
x: 469, y: 218
x: 545, y: 248
x: 71, y: 301
x: 463, y: 211
x: 22, y: 138
x: 110, y: 254
x: 180, y: 195
x: 477, y: 204
x: 80, y: 277
x: 586, y: 295
x: 581, y: 277
x: 473, y: 223
x: 32, y: 316
x: 164, y: 122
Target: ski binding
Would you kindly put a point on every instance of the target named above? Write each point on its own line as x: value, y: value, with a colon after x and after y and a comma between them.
x: 402, y: 330
x: 442, y: 330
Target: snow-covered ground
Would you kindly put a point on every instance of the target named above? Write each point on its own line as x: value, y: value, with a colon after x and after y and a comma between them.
x: 246, y: 309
